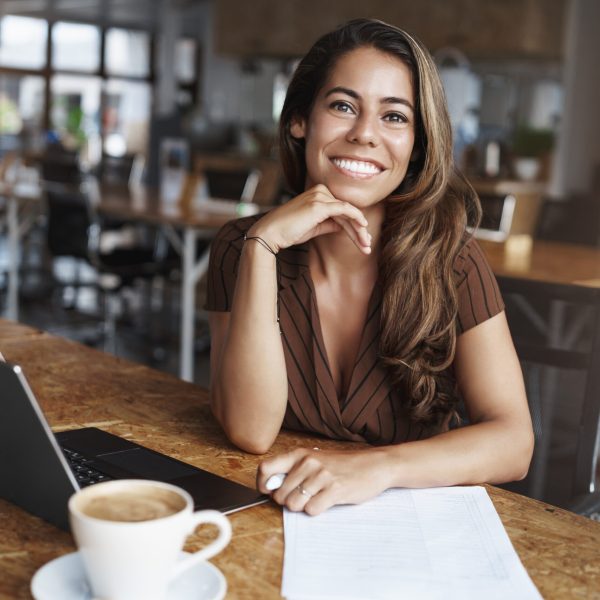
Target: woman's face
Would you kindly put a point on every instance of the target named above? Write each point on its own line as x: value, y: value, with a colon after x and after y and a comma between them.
x: 360, y: 133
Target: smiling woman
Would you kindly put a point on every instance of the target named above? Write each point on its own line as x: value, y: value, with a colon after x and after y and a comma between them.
x: 360, y: 134
x: 362, y: 309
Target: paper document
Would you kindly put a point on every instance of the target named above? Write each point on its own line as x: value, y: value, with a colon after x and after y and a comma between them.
x: 437, y: 543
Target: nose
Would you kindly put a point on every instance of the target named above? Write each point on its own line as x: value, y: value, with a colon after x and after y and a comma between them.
x: 364, y: 131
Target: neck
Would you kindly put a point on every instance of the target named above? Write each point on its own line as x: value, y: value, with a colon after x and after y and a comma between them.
x: 335, y: 256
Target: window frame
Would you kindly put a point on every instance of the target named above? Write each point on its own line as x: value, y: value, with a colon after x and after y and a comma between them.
x: 48, y: 71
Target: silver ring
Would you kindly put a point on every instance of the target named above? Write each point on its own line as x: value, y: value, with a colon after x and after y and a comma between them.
x: 304, y: 492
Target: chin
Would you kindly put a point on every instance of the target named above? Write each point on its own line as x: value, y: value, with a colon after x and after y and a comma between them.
x: 361, y: 198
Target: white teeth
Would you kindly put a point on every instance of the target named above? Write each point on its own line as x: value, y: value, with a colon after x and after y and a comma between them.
x: 357, y: 166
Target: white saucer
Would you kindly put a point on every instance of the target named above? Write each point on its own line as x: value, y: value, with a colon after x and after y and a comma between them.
x: 64, y: 578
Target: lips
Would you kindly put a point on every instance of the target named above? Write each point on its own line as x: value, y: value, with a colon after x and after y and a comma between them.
x: 357, y: 168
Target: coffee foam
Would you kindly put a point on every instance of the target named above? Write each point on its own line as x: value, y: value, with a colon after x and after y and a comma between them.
x: 133, y: 505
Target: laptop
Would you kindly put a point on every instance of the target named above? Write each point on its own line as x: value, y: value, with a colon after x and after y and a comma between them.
x: 497, y: 212
x: 40, y: 470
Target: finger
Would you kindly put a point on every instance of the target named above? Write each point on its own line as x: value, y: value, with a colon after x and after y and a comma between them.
x: 328, y: 226
x: 322, y: 501
x: 359, y: 235
x: 340, y: 208
x: 282, y: 463
x: 304, y: 469
x: 314, y: 487
x: 298, y: 498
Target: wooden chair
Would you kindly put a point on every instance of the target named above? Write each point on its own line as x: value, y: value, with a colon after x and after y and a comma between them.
x: 556, y: 329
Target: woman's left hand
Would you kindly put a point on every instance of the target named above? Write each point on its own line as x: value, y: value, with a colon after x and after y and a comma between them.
x: 318, y: 479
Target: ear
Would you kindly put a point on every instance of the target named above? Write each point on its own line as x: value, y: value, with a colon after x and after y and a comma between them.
x: 298, y: 127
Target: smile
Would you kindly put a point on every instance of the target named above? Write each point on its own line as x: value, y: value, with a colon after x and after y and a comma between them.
x: 357, y: 168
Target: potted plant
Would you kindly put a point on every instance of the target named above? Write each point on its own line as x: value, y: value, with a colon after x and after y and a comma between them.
x: 529, y: 147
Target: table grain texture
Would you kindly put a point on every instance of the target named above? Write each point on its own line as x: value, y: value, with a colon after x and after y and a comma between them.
x: 78, y: 386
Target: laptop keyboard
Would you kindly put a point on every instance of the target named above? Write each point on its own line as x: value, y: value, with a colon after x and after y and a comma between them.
x: 84, y: 474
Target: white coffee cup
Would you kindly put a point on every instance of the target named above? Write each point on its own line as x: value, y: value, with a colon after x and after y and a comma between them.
x: 126, y: 558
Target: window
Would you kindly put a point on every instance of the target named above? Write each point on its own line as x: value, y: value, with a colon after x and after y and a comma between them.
x: 126, y: 116
x: 127, y: 53
x: 23, y: 42
x: 75, y: 111
x: 53, y: 79
x: 185, y: 60
x: 21, y: 103
x: 75, y: 47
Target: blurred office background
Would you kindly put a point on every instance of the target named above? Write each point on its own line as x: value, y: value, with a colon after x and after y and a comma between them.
x: 106, y: 82
x: 103, y: 74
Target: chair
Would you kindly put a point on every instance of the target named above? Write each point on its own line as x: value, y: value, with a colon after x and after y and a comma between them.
x: 497, y: 213
x: 236, y: 185
x: 556, y: 329
x: 572, y: 220
x: 74, y: 230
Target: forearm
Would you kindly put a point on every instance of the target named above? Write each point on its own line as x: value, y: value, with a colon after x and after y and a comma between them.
x: 492, y: 451
x: 249, y: 393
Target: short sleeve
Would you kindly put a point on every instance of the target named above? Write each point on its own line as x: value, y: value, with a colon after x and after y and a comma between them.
x: 225, y: 252
x: 479, y: 297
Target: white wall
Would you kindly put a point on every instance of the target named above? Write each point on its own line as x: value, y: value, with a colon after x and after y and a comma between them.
x: 230, y: 92
x: 578, y: 148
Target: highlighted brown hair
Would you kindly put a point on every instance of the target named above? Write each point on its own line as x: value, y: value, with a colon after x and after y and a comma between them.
x: 425, y: 225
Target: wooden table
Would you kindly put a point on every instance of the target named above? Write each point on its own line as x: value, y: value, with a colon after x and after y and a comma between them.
x: 77, y: 386
x: 183, y: 224
x: 522, y: 257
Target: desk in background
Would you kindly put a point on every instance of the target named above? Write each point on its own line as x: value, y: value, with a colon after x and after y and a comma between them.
x: 134, y: 204
x: 78, y: 386
x: 144, y: 205
x: 524, y: 258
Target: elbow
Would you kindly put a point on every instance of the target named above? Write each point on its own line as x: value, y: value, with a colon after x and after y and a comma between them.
x: 244, y: 438
x: 523, y: 455
x: 248, y: 434
x: 251, y: 445
x: 248, y: 441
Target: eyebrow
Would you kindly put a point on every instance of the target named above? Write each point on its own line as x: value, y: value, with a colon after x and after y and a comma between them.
x: 350, y: 92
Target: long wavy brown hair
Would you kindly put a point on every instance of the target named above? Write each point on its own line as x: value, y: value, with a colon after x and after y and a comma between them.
x: 425, y: 225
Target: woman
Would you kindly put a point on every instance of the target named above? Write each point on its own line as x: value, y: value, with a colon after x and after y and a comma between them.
x: 361, y: 309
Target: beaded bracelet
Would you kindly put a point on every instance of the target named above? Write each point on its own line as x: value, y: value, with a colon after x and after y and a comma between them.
x: 261, y: 242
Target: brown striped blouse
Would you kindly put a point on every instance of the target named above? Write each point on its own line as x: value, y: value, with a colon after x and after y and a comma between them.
x: 372, y: 411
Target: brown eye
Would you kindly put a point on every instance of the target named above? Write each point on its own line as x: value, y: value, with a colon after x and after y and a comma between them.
x: 395, y: 117
x: 341, y: 106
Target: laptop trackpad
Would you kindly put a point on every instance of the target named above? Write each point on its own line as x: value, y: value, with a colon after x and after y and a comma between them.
x: 146, y: 464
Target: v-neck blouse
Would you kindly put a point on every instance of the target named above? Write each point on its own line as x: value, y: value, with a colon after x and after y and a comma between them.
x: 372, y: 410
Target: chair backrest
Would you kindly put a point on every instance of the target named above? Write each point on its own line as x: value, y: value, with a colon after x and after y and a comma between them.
x: 556, y: 329
x: 574, y: 220
x: 236, y: 185
x: 60, y: 167
x: 497, y: 213
x: 69, y: 221
x: 127, y: 169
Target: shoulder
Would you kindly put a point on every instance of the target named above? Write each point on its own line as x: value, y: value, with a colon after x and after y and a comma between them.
x: 470, y: 259
x: 227, y: 244
x: 479, y: 297
x: 232, y: 233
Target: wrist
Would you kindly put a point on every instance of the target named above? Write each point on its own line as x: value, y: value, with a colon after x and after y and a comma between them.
x: 391, y: 467
x: 261, y: 242
x: 264, y: 235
